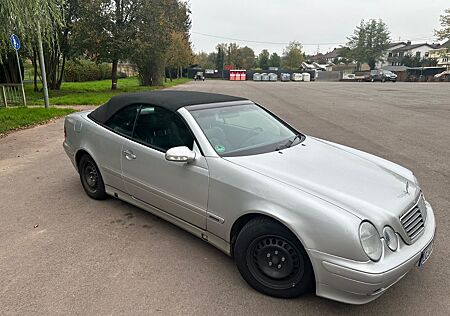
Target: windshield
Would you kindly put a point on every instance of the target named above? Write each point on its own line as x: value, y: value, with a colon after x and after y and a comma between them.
x: 241, y: 130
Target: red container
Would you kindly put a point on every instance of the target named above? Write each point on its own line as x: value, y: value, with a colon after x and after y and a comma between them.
x: 238, y: 75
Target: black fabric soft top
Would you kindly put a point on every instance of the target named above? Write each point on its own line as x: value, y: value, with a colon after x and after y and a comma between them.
x: 169, y: 99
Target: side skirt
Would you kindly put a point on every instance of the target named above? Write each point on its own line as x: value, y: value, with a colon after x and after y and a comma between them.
x: 217, y: 242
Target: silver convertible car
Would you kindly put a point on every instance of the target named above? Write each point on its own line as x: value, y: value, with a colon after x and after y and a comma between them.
x: 296, y: 213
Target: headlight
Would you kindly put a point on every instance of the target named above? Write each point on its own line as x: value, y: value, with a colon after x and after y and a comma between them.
x: 390, y: 237
x: 370, y: 241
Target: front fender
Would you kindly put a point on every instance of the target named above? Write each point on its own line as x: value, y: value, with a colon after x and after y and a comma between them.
x: 236, y: 191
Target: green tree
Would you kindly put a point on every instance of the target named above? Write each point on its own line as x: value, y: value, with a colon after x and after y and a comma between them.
x: 293, y: 56
x: 106, y: 29
x: 263, y: 59
x: 179, y: 54
x: 211, y: 61
x: 25, y: 18
x: 414, y: 61
x: 369, y: 42
x: 233, y: 56
x: 444, y: 32
x: 57, y: 51
x: 411, y: 61
x: 158, y: 19
x: 274, y: 60
x: 248, y: 57
x: 205, y: 60
x: 220, y: 57
x: 344, y: 57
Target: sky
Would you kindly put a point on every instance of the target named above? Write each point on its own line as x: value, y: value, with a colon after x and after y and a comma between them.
x: 320, y: 25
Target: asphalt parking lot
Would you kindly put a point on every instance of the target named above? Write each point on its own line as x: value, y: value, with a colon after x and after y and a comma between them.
x: 91, y: 257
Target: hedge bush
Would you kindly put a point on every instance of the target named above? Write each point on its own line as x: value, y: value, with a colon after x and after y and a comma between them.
x: 84, y: 70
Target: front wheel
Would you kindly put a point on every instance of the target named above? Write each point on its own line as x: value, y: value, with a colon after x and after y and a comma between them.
x: 91, y: 179
x: 272, y: 260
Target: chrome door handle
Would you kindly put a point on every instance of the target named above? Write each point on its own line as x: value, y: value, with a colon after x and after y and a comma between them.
x: 129, y: 154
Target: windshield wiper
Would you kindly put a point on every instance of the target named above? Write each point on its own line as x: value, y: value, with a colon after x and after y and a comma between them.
x: 288, y: 143
x: 291, y: 142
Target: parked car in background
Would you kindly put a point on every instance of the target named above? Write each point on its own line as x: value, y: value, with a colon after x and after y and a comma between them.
x: 199, y: 76
x: 382, y: 76
x: 265, y: 76
x: 443, y: 76
x: 294, y: 211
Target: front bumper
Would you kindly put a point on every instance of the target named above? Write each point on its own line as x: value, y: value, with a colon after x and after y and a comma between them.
x: 356, y: 282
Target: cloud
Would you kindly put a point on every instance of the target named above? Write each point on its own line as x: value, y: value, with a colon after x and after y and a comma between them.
x: 310, y: 22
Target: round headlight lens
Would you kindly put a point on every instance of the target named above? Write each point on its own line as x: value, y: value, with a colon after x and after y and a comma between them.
x: 390, y: 237
x: 370, y: 241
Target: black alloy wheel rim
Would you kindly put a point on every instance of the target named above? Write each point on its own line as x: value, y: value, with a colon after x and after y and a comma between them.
x: 91, y: 176
x: 275, y: 262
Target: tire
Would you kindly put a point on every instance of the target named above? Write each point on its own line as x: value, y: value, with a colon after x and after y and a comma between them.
x: 272, y: 260
x: 91, y: 178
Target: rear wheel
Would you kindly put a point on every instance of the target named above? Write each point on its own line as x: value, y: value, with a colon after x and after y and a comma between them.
x: 272, y: 260
x: 91, y: 179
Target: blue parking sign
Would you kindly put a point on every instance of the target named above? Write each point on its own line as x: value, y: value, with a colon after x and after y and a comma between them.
x: 15, y: 42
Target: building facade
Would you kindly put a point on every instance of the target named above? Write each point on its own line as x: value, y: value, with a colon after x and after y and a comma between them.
x: 442, y: 55
x: 397, y: 51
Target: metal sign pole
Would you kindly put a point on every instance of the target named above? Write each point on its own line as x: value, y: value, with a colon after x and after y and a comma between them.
x: 42, y: 62
x: 21, y: 79
x: 15, y: 42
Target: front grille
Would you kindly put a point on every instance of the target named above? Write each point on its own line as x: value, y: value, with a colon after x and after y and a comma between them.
x: 413, y: 222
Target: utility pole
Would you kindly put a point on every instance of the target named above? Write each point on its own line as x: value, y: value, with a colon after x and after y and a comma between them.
x: 42, y: 62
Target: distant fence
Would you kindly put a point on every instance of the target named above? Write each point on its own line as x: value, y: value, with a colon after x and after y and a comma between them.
x: 329, y: 75
x: 11, y: 95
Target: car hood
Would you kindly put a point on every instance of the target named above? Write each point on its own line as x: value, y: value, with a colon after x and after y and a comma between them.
x: 368, y: 189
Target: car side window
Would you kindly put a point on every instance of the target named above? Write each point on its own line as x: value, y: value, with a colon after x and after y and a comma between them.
x: 161, y: 129
x: 123, y: 121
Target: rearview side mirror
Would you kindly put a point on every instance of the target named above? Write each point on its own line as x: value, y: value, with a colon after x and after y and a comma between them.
x: 180, y: 154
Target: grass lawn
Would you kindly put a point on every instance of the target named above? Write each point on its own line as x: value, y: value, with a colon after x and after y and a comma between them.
x: 91, y: 92
x: 13, y: 118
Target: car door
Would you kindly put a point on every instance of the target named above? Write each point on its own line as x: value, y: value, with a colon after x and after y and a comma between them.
x: 180, y: 189
x: 109, y: 142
